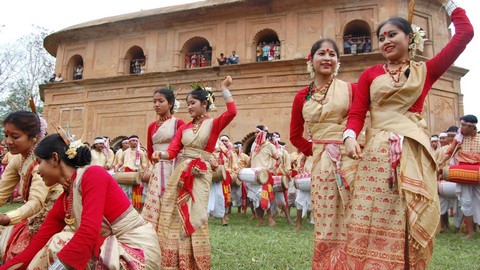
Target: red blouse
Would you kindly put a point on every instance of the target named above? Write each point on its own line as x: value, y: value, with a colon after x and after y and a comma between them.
x: 219, y: 124
x: 97, y: 188
x: 152, y: 129
x: 435, y: 68
x: 297, y: 122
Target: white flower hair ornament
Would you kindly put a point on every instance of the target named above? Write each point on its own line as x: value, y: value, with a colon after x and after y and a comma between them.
x: 310, y: 69
x: 337, y: 68
x: 418, y: 40
x: 210, y: 98
x: 176, y: 106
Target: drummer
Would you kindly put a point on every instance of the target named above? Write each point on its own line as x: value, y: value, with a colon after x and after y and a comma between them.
x: 263, y: 155
x: 466, y: 150
x: 303, y: 201
x: 447, y: 203
x: 134, y: 160
x: 283, y: 169
x: 239, y: 192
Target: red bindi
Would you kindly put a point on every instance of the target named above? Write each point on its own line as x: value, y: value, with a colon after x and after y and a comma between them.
x: 7, y: 131
x: 385, y: 33
x: 328, y: 50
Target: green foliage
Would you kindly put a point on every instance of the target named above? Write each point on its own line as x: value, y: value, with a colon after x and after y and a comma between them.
x: 23, y: 66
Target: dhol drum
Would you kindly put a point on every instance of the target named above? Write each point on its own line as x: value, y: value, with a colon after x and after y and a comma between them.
x: 447, y: 189
x: 462, y: 174
x: 235, y: 180
x: 280, y: 183
x: 219, y: 174
x: 303, y: 181
x: 257, y: 176
x: 128, y: 178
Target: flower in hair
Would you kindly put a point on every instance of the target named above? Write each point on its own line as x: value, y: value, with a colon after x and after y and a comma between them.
x: 210, y: 98
x: 310, y: 69
x: 418, y: 40
x: 72, y: 149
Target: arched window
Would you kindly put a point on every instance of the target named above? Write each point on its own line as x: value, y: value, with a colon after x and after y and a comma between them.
x: 75, y: 68
x: 196, y: 53
x: 357, y: 38
x: 267, y: 46
x: 136, y: 60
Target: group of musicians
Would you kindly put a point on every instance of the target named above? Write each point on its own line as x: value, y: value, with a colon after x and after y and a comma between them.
x: 458, y: 155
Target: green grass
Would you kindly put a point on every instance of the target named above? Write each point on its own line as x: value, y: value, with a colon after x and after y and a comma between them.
x: 242, y: 246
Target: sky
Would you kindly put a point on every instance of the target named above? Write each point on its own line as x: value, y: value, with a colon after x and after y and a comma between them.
x: 17, y: 17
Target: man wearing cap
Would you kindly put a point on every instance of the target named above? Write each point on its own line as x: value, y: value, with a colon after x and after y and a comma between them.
x: 239, y: 192
x: 263, y: 155
x: 98, y: 155
x: 466, y: 151
x: 119, y: 153
x: 134, y: 160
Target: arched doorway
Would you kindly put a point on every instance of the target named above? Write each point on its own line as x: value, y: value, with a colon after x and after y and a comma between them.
x: 196, y: 53
x: 357, y: 38
x: 135, y: 58
x: 267, y: 46
x: 75, y: 68
x: 247, y: 142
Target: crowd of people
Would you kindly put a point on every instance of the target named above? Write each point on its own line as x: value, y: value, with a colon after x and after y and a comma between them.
x: 202, y: 58
x: 357, y: 185
x: 356, y: 45
x: 268, y: 51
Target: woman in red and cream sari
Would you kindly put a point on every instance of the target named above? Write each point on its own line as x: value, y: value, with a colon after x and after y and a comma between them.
x: 183, y: 225
x: 323, y: 106
x: 160, y: 134
x: 92, y: 225
x: 23, y: 130
x: 394, y: 211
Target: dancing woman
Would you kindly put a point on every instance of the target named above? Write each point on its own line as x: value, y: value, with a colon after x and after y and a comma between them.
x: 394, y: 211
x: 183, y: 225
x: 160, y: 134
x: 324, y: 105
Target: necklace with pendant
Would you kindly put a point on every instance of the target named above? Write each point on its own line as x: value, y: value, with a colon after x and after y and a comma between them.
x: 67, y: 205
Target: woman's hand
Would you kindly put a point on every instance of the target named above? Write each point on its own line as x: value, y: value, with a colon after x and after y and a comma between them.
x: 226, y: 82
x: 156, y: 156
x: 4, y: 219
x: 352, y: 148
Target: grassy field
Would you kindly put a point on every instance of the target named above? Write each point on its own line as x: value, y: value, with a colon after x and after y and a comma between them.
x: 242, y: 246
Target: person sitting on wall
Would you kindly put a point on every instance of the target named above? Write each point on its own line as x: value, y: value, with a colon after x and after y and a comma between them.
x: 222, y: 60
x: 59, y: 78
x: 232, y: 59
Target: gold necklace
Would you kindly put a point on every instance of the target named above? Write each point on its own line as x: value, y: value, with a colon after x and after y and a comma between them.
x: 323, y: 99
x: 196, y: 126
x: 68, y: 204
x: 162, y: 120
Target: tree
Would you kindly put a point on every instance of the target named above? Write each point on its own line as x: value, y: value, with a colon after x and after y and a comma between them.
x: 23, y: 66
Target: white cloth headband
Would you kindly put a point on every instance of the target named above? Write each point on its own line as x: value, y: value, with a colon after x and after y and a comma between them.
x: 98, y: 141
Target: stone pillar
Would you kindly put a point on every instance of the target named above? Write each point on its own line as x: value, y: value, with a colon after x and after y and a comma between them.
x: 121, y: 66
x: 249, y: 56
x: 428, y: 49
x: 283, y: 50
x: 176, y: 60
x: 145, y: 66
x: 374, y: 40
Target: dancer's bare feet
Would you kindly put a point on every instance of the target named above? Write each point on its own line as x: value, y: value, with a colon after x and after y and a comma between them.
x: 271, y: 222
